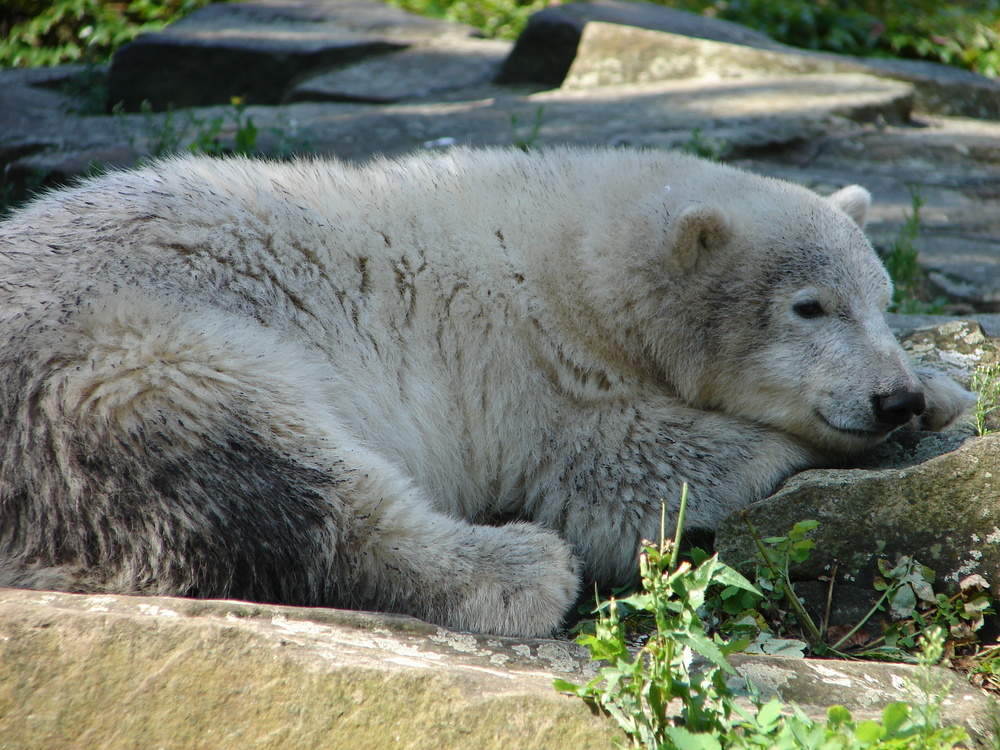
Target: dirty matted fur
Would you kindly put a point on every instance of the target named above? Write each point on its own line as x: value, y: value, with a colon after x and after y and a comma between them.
x: 452, y: 385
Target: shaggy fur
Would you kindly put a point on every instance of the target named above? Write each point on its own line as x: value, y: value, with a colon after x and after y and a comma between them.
x: 448, y: 386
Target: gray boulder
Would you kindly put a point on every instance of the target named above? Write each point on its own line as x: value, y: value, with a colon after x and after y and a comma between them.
x: 259, y: 49
x: 925, y: 495
x: 546, y: 48
x: 558, y: 46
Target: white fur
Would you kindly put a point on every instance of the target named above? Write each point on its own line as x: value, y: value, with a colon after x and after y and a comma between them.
x: 447, y: 385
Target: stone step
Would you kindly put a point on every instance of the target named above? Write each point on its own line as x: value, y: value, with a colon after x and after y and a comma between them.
x: 121, y: 671
x: 260, y: 49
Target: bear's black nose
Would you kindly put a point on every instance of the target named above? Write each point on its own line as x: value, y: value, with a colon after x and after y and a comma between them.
x: 899, y: 407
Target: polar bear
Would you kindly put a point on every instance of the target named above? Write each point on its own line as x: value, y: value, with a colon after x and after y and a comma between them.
x: 453, y: 386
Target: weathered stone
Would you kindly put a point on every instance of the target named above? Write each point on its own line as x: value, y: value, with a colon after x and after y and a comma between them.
x: 925, y: 495
x: 857, y: 97
x: 414, y: 73
x: 119, y: 671
x: 957, y: 346
x: 610, y: 55
x: 561, y: 44
x: 905, y: 325
x: 141, y: 672
x: 964, y: 269
x: 259, y: 49
x: 941, y: 89
x: 548, y: 45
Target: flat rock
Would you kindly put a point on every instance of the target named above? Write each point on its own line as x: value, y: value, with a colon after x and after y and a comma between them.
x: 119, y: 671
x: 966, y: 269
x: 415, y: 73
x: 141, y: 672
x: 906, y: 325
x: 610, y: 55
x: 258, y: 49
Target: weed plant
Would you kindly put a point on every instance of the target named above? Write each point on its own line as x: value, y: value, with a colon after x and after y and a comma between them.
x: 986, y: 384
x: 664, y: 698
x: 228, y: 134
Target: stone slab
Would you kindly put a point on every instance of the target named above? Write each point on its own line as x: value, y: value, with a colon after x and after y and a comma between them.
x: 258, y: 49
x: 964, y: 268
x: 611, y: 55
x: 124, y: 672
x: 414, y: 73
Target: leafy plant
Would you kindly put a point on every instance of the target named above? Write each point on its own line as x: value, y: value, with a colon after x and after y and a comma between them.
x: 907, y: 598
x: 662, y: 700
x: 501, y: 19
x: 901, y: 261
x: 66, y: 31
x: 700, y: 145
x: 639, y: 691
x: 207, y: 138
x: 166, y: 134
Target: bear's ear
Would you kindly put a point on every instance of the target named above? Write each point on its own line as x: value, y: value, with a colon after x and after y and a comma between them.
x: 697, y: 229
x: 854, y: 201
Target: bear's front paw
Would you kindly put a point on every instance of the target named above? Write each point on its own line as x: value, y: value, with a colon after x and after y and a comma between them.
x: 945, y: 400
x: 526, y: 584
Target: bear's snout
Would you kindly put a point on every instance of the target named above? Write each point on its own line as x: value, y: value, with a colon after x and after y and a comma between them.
x: 899, y: 407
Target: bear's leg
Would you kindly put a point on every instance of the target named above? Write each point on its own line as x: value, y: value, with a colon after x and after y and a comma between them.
x: 606, y: 498
x: 151, y: 451
x: 516, y: 579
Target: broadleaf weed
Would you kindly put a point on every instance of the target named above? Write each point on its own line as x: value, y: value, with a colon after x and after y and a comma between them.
x: 664, y: 698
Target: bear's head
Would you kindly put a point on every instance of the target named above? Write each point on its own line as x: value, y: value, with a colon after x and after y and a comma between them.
x: 772, y: 309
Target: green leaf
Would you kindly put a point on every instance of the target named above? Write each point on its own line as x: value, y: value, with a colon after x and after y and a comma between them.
x: 702, y: 645
x: 868, y: 731
x: 686, y: 740
x: 800, y: 550
x: 727, y: 576
x: 802, y: 528
x: 769, y: 714
x: 564, y: 686
x: 838, y: 715
x: 902, y: 602
x: 894, y: 716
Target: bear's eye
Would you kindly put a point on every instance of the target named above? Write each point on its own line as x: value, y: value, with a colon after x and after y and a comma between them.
x: 808, y: 309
